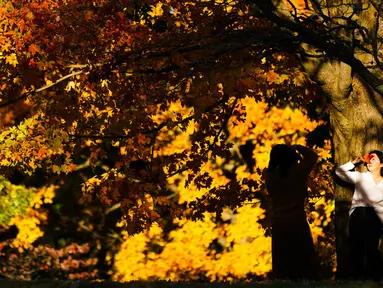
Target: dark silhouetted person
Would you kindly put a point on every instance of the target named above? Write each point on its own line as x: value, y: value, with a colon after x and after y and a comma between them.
x: 366, y: 215
x: 293, y: 253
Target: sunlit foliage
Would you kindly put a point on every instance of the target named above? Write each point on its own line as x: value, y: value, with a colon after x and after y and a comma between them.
x: 235, y: 245
x: 166, y: 111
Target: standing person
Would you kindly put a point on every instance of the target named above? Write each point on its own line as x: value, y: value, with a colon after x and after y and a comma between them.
x: 366, y: 215
x: 293, y: 253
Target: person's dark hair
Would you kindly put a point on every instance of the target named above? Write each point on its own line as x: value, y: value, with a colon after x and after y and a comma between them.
x: 282, y: 157
x: 380, y: 156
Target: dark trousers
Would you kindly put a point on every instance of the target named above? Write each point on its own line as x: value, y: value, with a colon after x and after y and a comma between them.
x: 365, y: 230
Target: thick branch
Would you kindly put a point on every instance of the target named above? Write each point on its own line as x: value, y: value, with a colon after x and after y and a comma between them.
x: 219, y: 45
x: 334, y: 49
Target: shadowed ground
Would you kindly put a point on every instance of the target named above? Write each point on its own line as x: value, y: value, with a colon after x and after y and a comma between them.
x: 86, y: 284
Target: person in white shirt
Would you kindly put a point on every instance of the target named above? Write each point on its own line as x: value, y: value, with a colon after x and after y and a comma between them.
x: 366, y: 215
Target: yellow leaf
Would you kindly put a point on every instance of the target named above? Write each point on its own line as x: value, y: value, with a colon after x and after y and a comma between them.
x: 5, y: 162
x: 157, y: 10
x: 71, y: 85
x: 11, y: 59
x: 56, y: 169
x: 6, y: 46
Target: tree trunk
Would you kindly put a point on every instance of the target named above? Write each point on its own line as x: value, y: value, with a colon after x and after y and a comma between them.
x: 357, y: 123
x: 356, y: 115
x: 357, y: 128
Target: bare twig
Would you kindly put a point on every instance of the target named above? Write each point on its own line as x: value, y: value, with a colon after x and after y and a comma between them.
x: 25, y: 95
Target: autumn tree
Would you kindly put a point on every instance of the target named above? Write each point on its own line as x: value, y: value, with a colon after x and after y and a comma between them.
x: 100, y: 79
x: 91, y: 91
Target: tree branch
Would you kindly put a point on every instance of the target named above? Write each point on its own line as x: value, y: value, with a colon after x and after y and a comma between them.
x: 378, y: 6
x: 148, y: 131
x: 333, y: 49
x: 224, y: 123
x: 25, y: 95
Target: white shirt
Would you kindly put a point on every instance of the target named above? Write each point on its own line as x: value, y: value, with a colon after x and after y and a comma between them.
x: 367, y: 193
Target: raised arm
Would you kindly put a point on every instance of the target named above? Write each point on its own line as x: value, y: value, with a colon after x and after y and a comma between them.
x: 344, y: 172
x: 309, y: 157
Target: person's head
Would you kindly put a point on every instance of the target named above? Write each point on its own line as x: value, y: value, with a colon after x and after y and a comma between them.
x: 375, y: 162
x: 282, y: 157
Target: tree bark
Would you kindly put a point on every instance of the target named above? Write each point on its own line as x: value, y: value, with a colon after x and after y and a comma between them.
x: 357, y: 124
x: 357, y: 128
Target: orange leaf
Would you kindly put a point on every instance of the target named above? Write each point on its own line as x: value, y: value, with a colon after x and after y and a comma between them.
x: 141, y: 139
x: 42, y: 152
x: 72, y: 167
x: 88, y: 15
x: 33, y: 49
x: 271, y: 76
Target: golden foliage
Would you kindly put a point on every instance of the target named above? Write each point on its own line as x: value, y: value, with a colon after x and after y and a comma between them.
x: 129, y: 85
x: 234, y: 246
x: 29, y: 223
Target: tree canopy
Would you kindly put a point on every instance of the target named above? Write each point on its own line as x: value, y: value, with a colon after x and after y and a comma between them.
x: 99, y: 78
x: 144, y: 95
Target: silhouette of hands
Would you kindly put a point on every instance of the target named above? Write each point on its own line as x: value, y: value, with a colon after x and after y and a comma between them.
x: 357, y: 160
